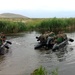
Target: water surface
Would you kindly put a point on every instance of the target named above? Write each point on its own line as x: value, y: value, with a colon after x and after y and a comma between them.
x: 22, y: 59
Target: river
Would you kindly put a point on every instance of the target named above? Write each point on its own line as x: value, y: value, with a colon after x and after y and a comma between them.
x: 22, y: 59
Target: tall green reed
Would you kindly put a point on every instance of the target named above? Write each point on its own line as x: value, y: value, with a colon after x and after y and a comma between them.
x: 42, y: 71
x: 12, y: 27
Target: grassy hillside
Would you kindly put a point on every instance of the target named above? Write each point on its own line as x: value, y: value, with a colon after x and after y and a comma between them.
x: 11, y: 15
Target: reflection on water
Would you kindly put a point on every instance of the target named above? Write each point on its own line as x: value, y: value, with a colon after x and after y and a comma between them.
x: 1, y: 58
x: 22, y: 59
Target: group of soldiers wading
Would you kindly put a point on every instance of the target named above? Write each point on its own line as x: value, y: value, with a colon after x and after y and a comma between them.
x: 50, y: 38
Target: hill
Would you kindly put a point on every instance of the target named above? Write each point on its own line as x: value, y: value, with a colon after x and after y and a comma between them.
x: 11, y: 15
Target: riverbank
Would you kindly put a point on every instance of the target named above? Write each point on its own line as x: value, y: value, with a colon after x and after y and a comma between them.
x: 43, y: 24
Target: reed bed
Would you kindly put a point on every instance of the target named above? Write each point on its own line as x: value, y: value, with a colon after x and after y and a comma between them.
x: 12, y: 27
x: 40, y: 24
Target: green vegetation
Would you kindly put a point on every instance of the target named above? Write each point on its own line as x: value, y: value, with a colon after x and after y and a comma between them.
x: 40, y: 24
x: 39, y: 71
x: 56, y: 24
x: 12, y: 27
x: 42, y: 71
x: 54, y: 72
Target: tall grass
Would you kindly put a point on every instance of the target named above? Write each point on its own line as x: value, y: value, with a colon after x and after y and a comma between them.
x: 12, y: 27
x: 56, y: 24
x: 43, y: 24
x: 42, y: 71
x: 39, y: 71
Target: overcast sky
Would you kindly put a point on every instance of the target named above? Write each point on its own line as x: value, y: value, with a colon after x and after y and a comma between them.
x: 39, y: 8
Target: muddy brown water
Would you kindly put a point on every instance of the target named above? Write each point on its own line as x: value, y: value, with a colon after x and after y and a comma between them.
x: 22, y: 59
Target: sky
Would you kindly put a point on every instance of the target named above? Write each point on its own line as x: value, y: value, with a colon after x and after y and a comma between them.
x: 39, y: 8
